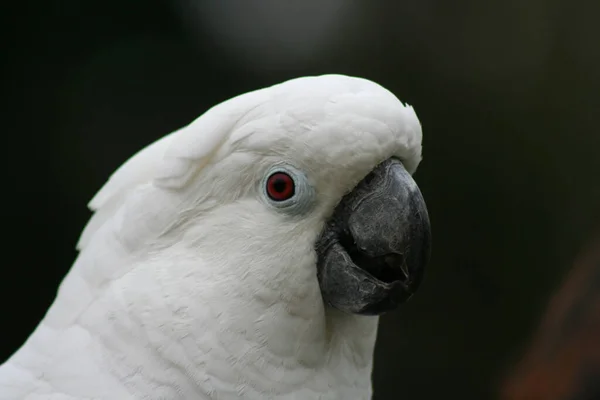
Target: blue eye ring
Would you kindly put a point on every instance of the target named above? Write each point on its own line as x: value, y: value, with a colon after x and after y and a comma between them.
x: 293, y: 194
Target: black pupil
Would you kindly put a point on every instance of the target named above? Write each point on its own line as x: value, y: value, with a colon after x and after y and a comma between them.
x: 280, y: 185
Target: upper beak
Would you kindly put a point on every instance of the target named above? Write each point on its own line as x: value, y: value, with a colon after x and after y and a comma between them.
x: 373, y: 251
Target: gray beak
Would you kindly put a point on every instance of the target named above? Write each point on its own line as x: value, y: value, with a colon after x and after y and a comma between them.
x: 373, y: 251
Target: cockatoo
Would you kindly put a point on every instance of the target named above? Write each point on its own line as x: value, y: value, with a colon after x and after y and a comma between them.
x: 247, y: 255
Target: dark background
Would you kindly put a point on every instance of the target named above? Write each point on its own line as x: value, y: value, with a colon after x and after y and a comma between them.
x: 506, y: 90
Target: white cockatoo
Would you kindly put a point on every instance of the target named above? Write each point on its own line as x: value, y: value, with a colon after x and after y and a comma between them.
x: 247, y: 255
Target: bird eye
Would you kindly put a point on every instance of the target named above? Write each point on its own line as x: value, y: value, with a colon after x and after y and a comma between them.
x: 280, y: 186
x: 288, y: 189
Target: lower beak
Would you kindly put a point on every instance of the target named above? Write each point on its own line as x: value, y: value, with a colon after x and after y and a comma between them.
x: 374, y: 249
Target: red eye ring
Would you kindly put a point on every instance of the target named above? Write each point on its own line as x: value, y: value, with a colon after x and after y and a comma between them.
x: 280, y: 186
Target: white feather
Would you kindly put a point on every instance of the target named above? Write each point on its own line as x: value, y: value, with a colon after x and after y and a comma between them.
x: 189, y: 286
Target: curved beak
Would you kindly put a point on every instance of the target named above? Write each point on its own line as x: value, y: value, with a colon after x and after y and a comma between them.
x: 373, y: 251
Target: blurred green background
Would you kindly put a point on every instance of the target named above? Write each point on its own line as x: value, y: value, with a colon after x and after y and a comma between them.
x: 506, y: 91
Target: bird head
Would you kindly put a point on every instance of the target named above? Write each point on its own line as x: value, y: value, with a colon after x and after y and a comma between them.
x: 301, y: 187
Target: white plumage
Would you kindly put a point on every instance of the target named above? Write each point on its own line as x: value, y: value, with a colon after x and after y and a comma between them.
x: 189, y: 285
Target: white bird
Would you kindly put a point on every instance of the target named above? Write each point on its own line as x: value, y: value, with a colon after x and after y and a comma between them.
x: 247, y: 255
